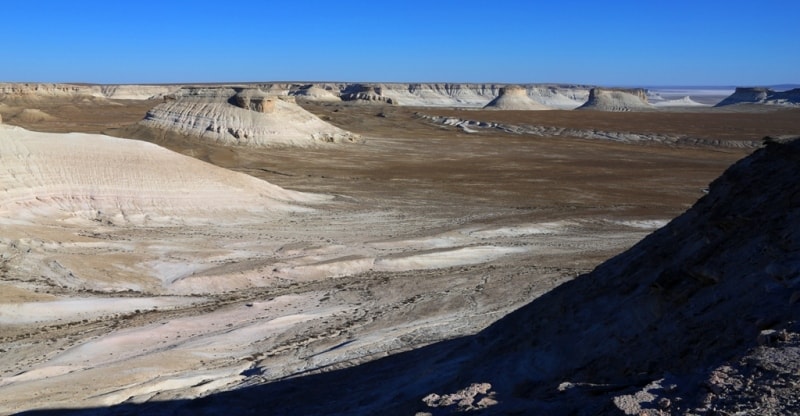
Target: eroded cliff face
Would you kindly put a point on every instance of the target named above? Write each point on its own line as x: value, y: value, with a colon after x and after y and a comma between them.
x: 476, y: 95
x: 242, y: 116
x: 763, y: 96
x: 617, y: 100
x: 514, y: 98
x: 32, y: 91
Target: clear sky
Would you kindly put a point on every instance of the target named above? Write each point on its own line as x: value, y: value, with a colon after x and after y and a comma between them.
x: 643, y: 42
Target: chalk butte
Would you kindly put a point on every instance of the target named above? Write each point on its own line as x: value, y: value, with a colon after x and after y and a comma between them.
x: 242, y: 116
x: 606, y: 99
x: 96, y: 177
x: 514, y: 98
x: 764, y: 96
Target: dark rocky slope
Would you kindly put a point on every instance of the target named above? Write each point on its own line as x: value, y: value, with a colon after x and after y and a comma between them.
x: 678, y: 324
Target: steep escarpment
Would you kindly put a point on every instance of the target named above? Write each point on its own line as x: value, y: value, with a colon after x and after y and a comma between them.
x: 514, y: 98
x: 763, y: 96
x: 242, y: 116
x: 365, y: 93
x: 607, y: 99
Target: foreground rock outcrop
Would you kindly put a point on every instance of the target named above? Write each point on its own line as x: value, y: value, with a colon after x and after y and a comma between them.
x: 242, y: 116
x: 762, y: 96
x: 514, y: 98
x: 607, y: 99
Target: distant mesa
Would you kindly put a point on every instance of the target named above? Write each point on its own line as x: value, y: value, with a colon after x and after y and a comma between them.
x: 617, y: 99
x: 315, y: 93
x: 514, y: 98
x: 242, y: 116
x: 765, y: 96
x: 680, y: 102
x: 366, y: 94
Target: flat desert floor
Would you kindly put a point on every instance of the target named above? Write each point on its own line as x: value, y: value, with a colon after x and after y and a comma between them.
x: 428, y: 231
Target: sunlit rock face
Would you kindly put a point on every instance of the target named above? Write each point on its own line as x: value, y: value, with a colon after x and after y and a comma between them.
x: 618, y: 100
x: 242, y: 116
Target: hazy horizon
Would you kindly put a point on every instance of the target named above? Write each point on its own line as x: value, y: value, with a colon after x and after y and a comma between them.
x: 622, y: 43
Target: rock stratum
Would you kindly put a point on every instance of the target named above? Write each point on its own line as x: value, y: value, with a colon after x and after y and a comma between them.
x: 242, y: 116
x: 514, y: 98
x: 617, y: 100
x: 763, y: 96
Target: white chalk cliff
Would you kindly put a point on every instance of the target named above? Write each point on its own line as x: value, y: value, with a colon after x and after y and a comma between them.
x: 613, y: 99
x: 514, y: 98
x: 242, y: 116
x: 764, y: 96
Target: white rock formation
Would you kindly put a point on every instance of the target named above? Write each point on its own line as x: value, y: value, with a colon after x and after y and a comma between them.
x: 315, y: 93
x: 766, y: 96
x: 514, y: 98
x: 366, y: 94
x: 248, y: 117
x: 118, y: 180
x: 608, y: 99
x: 680, y: 102
x: 121, y: 92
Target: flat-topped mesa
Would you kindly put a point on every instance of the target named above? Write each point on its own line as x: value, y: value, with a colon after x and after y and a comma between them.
x: 617, y: 99
x: 760, y: 95
x: 255, y: 100
x: 366, y: 93
x: 514, y: 97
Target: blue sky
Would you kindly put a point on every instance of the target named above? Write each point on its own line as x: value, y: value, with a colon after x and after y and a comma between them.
x: 645, y: 42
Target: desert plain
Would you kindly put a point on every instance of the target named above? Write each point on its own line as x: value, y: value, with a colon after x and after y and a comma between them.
x: 143, y: 264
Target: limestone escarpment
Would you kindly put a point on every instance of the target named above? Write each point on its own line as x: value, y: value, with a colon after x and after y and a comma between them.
x: 514, y: 98
x: 315, y: 93
x: 764, y: 96
x: 242, y: 116
x: 365, y: 93
x: 33, y: 91
x: 615, y: 99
